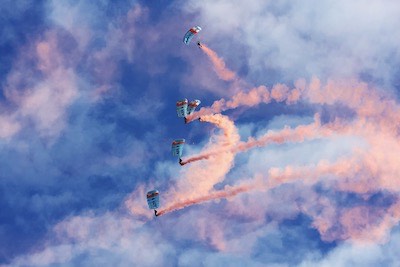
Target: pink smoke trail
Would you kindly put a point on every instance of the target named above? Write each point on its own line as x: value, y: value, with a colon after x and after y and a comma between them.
x: 219, y: 65
x: 204, y: 176
x: 228, y: 192
x: 275, y: 177
x: 254, y: 97
x: 298, y: 134
x: 224, y: 124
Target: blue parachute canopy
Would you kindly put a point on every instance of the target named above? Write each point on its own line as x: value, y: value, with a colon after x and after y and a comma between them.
x: 177, y: 147
x: 153, y: 199
x: 192, y: 106
x: 190, y: 34
x: 181, y: 107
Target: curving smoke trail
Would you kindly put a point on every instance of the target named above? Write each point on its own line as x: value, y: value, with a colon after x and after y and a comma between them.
x: 230, y: 136
x: 204, y: 176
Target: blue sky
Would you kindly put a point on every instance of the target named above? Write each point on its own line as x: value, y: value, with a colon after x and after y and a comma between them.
x: 308, y: 133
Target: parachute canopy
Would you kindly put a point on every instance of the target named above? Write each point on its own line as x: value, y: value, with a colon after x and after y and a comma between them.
x: 177, y: 147
x: 190, y: 34
x: 153, y: 199
x: 192, y: 106
x: 181, y: 107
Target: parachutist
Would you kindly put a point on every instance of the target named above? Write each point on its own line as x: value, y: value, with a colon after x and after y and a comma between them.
x: 186, y: 120
x: 181, y: 163
x: 155, y: 213
x: 200, y: 119
x: 199, y: 44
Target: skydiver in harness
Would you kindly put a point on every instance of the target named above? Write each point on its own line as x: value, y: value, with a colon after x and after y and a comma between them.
x: 199, y: 44
x: 180, y: 162
x: 155, y: 213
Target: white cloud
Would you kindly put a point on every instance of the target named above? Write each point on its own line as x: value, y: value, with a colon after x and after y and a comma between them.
x: 353, y: 254
x: 40, y: 87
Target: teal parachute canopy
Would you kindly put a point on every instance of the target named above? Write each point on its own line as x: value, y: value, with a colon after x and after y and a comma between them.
x: 153, y: 199
x: 181, y: 107
x: 190, y: 34
x: 177, y: 147
x: 192, y: 106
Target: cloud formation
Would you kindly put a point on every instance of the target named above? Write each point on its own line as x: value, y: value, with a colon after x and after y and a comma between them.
x: 88, y: 108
